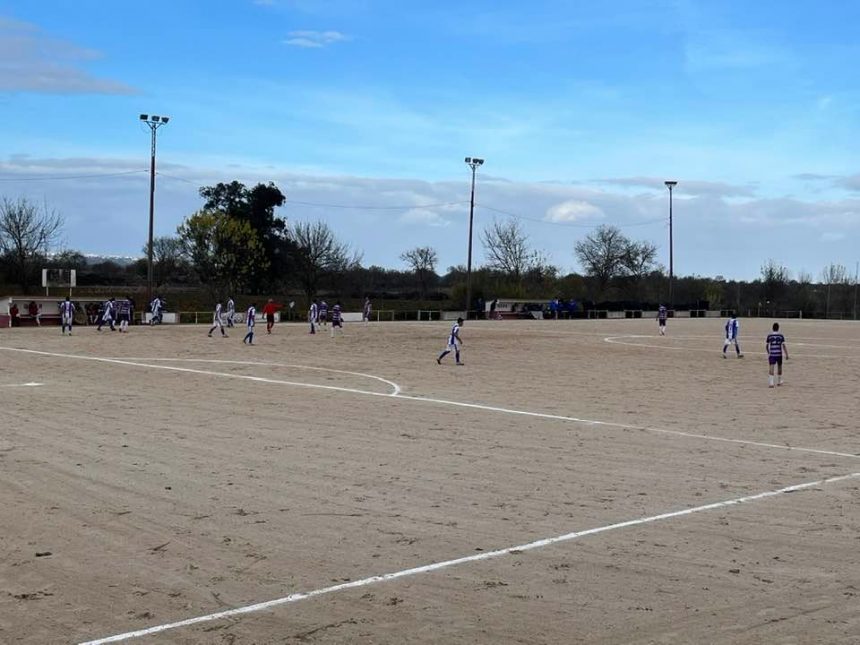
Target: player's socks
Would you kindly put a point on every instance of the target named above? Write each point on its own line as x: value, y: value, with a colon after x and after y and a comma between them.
x: 770, y: 381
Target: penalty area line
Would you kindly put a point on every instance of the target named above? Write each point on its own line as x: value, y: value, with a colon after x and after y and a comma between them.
x: 436, y: 566
x: 188, y: 370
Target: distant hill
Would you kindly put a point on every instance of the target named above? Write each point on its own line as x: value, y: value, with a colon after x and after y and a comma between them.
x: 122, y: 260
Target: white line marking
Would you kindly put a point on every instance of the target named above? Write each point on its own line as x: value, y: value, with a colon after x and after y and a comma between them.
x: 617, y: 340
x: 626, y: 426
x: 461, y: 404
x: 173, y: 368
x: 436, y: 566
x: 394, y: 386
x: 22, y: 385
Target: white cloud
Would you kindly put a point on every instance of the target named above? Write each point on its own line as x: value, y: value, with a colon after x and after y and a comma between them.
x: 423, y: 216
x: 685, y: 186
x: 382, y: 216
x: 573, y: 210
x: 35, y: 62
x: 314, y: 39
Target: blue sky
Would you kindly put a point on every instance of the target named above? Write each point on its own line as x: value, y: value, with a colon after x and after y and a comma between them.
x: 580, y: 110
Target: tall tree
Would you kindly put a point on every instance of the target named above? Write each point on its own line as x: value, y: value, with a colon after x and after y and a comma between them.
x: 422, y: 260
x: 836, y: 279
x: 225, y: 252
x: 27, y: 233
x: 256, y: 206
x: 774, y: 280
x: 639, y: 259
x: 167, y: 258
x: 320, y: 253
x: 602, y: 254
x: 507, y: 249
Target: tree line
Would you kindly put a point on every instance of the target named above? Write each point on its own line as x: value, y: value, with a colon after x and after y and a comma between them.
x: 237, y: 244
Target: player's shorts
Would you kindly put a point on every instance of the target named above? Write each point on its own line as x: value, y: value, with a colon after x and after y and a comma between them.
x: 217, y: 322
x: 270, y: 318
x: 453, y: 347
x: 68, y: 319
x: 337, y: 323
x: 322, y: 316
x: 774, y: 360
x: 122, y: 318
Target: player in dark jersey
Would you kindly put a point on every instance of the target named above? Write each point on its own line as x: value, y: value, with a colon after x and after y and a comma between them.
x: 336, y: 319
x: 776, y: 348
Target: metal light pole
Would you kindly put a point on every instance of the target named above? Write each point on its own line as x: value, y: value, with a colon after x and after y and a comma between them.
x: 154, y: 122
x: 473, y: 163
x: 856, y: 275
x: 670, y: 185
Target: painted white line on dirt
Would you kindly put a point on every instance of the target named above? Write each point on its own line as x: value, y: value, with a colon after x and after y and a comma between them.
x: 626, y: 426
x: 436, y: 566
x: 22, y: 385
x: 461, y: 404
x: 617, y: 340
x: 188, y: 370
x: 394, y: 386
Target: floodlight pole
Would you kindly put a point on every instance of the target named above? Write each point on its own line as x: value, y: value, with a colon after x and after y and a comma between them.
x: 154, y: 122
x: 856, y: 275
x: 670, y: 185
x: 473, y: 163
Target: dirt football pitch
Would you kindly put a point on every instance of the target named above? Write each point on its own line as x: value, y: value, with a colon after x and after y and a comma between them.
x: 573, y: 482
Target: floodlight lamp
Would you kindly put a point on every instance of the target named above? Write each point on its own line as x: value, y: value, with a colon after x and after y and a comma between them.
x: 156, y: 118
x: 468, y: 160
x: 144, y: 117
x: 478, y: 162
x: 670, y: 184
x: 165, y: 119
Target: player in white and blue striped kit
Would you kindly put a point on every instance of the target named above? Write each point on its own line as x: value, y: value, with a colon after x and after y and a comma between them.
x: 454, y: 343
x: 732, y: 330
x: 250, y: 322
x: 67, y: 315
x: 217, y: 323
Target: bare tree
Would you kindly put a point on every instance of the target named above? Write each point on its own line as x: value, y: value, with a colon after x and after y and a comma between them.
x: 422, y: 260
x: 639, y: 259
x: 167, y: 258
x: 26, y: 235
x: 834, y: 276
x: 320, y: 253
x: 603, y: 254
x: 507, y: 249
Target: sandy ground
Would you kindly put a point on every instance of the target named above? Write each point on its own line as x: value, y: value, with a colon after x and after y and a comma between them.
x: 189, y: 475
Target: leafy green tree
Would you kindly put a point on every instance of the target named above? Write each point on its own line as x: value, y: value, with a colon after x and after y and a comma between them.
x: 225, y: 252
x: 256, y: 206
x: 774, y: 280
